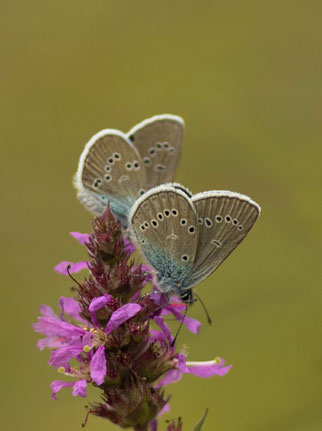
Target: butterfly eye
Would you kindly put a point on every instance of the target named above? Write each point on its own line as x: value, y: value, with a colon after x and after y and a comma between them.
x: 108, y: 178
x: 167, y: 213
x: 97, y: 182
x: 147, y: 160
x: 128, y: 166
x: 235, y: 221
x: 165, y: 145
x: 146, y: 224
x: 159, y: 167
x: 136, y: 165
x: 154, y: 223
x: 191, y: 230
x: 110, y: 160
x: 208, y: 222
x: 159, y: 145
x: 142, y: 227
x: 227, y: 219
x: 117, y: 156
x: 171, y: 150
x: 218, y: 219
x: 160, y: 216
x: 174, y: 212
x: 183, y: 221
x: 108, y: 168
x: 142, y: 241
x: 185, y: 258
x: 240, y: 227
x: 200, y: 220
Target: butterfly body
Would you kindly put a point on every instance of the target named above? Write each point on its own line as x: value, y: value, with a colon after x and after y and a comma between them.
x: 185, y: 238
x: 117, y: 168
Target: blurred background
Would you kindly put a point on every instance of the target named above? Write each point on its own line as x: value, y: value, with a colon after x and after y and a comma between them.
x: 246, y: 77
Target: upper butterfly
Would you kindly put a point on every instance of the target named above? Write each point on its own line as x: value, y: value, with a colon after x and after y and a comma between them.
x: 117, y: 168
x: 184, y: 237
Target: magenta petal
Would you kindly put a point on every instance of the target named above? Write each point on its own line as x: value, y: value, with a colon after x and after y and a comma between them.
x: 164, y: 410
x: 148, y: 271
x: 47, y: 311
x: 181, y: 365
x: 82, y: 238
x: 49, y: 342
x: 164, y: 327
x: 70, y: 307
x: 57, y: 385
x: 54, y: 327
x: 157, y: 336
x: 171, y: 376
x: 129, y: 247
x: 153, y: 425
x: 74, y: 267
x: 79, y: 388
x: 97, y: 304
x: 121, y: 315
x: 208, y: 369
x: 98, y: 365
x: 192, y: 324
x: 60, y: 357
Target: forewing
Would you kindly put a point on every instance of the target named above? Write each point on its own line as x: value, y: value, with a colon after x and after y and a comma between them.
x: 159, y: 140
x: 164, y: 223
x: 224, y: 219
x: 110, y: 170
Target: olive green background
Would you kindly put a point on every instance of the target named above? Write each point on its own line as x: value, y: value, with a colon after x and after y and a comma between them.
x: 246, y: 77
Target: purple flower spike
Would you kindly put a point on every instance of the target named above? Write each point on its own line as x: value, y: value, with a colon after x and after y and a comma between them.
x: 121, y: 315
x: 73, y: 267
x: 97, y: 304
x: 79, y: 389
x: 98, y: 365
x: 131, y: 365
x: 82, y: 238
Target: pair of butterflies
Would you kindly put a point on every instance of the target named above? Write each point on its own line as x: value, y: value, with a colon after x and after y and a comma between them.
x: 184, y: 237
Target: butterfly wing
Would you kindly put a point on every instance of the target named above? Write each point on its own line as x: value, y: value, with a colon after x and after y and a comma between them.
x: 224, y: 220
x: 110, y: 170
x: 164, y: 223
x: 159, y: 140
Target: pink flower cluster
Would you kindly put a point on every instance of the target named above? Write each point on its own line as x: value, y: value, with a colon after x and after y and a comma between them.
x: 103, y: 335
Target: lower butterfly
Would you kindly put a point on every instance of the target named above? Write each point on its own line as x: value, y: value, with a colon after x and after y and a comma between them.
x: 186, y: 237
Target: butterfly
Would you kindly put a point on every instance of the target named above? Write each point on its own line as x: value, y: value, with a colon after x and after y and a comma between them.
x: 117, y: 168
x: 186, y: 237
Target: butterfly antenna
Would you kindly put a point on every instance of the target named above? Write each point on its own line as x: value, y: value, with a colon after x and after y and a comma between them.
x: 180, y: 326
x: 205, y: 309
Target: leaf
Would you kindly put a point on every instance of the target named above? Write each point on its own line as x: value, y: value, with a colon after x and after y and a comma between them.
x: 199, y: 425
